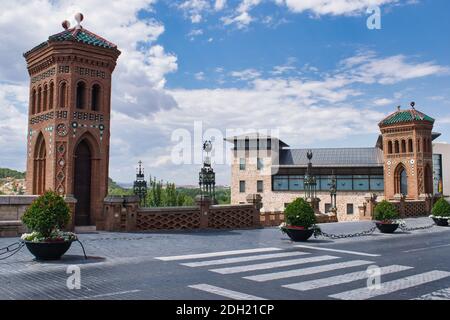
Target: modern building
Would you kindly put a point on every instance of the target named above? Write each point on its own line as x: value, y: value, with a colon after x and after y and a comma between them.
x: 401, y: 165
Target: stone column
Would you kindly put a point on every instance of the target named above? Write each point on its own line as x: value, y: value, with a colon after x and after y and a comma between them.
x: 428, y: 198
x: 204, y: 202
x: 371, y: 203
x: 71, y: 202
x: 314, y: 203
x: 402, y: 199
x: 131, y: 204
x: 112, y: 209
x: 256, y: 201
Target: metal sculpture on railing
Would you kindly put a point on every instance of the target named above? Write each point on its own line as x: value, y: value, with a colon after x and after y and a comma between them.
x: 310, y: 179
x: 333, y: 192
x: 140, y: 185
x: 207, y: 177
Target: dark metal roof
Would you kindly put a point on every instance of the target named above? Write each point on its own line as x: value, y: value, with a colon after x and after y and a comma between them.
x: 333, y: 157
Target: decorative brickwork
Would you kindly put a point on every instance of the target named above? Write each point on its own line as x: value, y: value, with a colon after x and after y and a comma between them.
x: 231, y: 217
x: 168, y: 218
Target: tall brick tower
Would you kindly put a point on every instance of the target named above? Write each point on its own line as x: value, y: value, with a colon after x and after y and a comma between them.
x: 408, y: 154
x: 69, y: 118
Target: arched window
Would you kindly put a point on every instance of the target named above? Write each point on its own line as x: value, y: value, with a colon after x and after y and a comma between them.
x: 50, y: 96
x: 397, y: 147
x: 45, y: 99
x: 62, y: 95
x: 418, y: 145
x: 425, y: 145
x: 96, y: 97
x: 390, y: 147
x: 39, y: 97
x: 410, y: 146
x: 428, y: 179
x: 39, y: 165
x: 430, y: 146
x: 33, y: 102
x: 403, y: 146
x: 81, y: 95
x: 401, y: 180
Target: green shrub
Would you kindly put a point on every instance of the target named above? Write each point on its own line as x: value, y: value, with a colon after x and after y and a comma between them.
x: 441, y: 208
x: 386, y: 211
x: 46, y: 214
x: 299, y: 213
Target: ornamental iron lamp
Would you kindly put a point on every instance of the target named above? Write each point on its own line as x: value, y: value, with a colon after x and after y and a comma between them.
x: 207, y: 177
x: 333, y: 191
x: 310, y: 180
x: 140, y: 185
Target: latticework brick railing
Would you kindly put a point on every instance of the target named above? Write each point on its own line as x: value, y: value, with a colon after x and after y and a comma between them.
x: 168, y: 218
x: 271, y: 219
x: 231, y: 216
x: 412, y: 208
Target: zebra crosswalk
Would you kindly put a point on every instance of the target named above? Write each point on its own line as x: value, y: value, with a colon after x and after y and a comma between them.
x: 305, y: 269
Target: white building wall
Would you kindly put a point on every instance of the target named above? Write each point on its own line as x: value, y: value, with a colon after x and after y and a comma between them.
x: 444, y: 150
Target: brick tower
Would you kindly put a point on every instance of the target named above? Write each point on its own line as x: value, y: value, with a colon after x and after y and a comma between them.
x: 69, y: 118
x: 408, y: 154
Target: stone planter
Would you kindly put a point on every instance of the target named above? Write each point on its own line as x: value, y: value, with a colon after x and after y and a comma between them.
x: 48, y: 250
x: 387, y: 227
x: 441, y: 222
x: 298, y: 234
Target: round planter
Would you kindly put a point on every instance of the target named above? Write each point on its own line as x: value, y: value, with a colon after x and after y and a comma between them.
x: 48, y: 250
x: 298, y: 234
x: 441, y: 222
x: 387, y: 227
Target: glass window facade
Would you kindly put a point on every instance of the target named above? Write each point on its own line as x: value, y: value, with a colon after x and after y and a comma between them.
x: 344, y: 183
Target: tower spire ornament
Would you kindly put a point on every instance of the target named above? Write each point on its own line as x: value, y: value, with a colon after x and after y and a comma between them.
x: 78, y: 18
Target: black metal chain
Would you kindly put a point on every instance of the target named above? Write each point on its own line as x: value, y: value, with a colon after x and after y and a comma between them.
x: 11, y: 250
x: 403, y: 227
x: 348, y: 235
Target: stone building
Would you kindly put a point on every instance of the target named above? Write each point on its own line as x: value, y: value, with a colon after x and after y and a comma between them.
x: 398, y: 167
x: 69, y: 118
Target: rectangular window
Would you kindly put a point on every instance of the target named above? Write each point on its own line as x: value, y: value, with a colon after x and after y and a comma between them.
x: 296, y: 183
x: 241, y: 163
x: 344, y: 183
x: 327, y: 207
x: 259, y: 186
x: 280, y: 183
x: 349, y: 208
x: 259, y: 164
x: 376, y: 183
x: 361, y: 183
x: 241, y: 186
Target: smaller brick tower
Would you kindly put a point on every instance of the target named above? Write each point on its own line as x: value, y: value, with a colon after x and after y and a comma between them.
x: 69, y: 118
x: 408, y: 154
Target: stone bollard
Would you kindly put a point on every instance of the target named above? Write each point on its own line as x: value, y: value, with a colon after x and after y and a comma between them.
x: 204, y: 202
x: 131, y: 204
x: 112, y: 210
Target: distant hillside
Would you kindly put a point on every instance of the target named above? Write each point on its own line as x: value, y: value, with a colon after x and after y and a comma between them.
x: 9, y: 173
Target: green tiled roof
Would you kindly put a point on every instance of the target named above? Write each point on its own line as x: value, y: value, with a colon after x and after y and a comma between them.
x: 403, y: 116
x: 79, y: 35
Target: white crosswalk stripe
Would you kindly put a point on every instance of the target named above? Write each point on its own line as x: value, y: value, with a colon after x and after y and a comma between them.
x: 341, y: 279
x: 271, y: 265
x: 225, y: 292
x: 443, y: 294
x: 244, y: 259
x: 216, y: 254
x: 392, y: 286
x: 307, y: 271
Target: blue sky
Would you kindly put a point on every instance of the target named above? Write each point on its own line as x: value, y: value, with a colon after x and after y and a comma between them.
x: 310, y: 69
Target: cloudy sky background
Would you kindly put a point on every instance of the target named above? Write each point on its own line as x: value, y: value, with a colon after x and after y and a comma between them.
x: 310, y: 69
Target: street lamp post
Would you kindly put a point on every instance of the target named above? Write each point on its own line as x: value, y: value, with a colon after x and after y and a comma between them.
x: 207, y: 176
x: 140, y: 185
x: 333, y: 191
x: 310, y: 180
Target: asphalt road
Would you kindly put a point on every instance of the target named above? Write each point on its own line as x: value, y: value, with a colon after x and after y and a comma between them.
x: 241, y: 264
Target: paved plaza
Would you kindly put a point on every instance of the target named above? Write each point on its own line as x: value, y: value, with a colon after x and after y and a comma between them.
x: 240, y: 264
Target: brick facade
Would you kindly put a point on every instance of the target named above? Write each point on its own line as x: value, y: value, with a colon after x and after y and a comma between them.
x: 70, y: 94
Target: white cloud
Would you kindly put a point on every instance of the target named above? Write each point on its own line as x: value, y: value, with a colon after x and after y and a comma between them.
x: 241, y: 18
x: 220, y: 4
x: 194, y: 9
x: 200, y: 75
x: 247, y: 74
x: 383, y: 102
x: 332, y: 7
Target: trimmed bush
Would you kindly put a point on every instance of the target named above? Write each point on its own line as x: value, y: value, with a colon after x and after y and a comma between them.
x: 299, y: 213
x: 47, y: 214
x: 441, y: 208
x: 386, y: 211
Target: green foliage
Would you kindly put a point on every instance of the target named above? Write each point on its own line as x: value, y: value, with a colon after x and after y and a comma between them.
x: 9, y: 173
x: 115, y: 190
x: 385, y: 211
x: 46, y: 214
x: 441, y: 208
x: 299, y: 213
